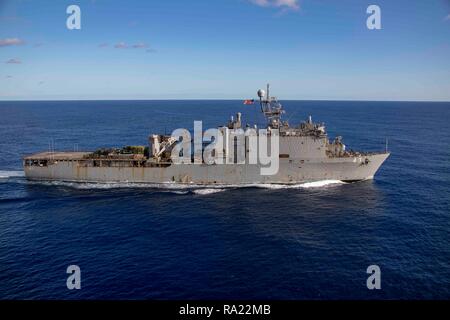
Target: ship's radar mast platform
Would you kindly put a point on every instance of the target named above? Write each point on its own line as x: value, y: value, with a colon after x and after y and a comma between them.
x: 273, y: 111
x: 271, y: 108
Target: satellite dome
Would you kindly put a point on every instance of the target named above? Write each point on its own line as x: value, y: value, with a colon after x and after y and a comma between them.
x: 261, y: 93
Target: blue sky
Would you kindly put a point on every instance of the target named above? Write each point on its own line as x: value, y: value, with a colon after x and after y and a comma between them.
x: 225, y: 49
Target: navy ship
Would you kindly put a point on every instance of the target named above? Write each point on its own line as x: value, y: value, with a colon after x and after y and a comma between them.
x: 303, y: 153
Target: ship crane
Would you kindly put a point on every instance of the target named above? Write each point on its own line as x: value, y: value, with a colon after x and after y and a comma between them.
x: 161, y: 147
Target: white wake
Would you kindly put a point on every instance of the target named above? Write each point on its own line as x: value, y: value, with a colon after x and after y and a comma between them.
x: 200, y: 189
x: 11, y: 174
x: 207, y: 191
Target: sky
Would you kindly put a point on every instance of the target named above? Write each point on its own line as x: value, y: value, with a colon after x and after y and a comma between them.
x: 225, y: 49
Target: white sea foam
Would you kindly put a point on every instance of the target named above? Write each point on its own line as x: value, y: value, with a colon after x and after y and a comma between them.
x: 306, y: 185
x: 208, y: 191
x: 11, y: 174
x: 322, y: 183
x: 176, y: 188
x: 178, y: 192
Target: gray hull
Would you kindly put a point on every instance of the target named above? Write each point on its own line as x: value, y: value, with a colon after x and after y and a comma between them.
x: 290, y: 172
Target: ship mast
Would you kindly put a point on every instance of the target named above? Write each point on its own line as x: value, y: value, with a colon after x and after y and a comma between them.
x: 271, y: 108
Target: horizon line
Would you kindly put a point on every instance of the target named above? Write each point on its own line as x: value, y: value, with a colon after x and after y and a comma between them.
x: 214, y: 99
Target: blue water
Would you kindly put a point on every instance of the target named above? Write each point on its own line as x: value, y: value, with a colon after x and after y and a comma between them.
x: 239, y: 243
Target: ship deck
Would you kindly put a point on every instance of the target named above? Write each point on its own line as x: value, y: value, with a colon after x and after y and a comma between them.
x: 57, y: 156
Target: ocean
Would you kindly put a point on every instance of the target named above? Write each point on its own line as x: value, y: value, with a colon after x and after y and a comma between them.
x: 309, y: 241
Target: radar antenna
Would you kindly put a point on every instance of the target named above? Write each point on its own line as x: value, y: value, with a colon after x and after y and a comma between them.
x: 271, y: 108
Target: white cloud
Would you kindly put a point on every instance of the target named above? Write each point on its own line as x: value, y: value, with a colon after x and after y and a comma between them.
x: 10, y: 42
x: 287, y: 4
x: 14, y: 61
x: 121, y: 45
x: 139, y: 45
x: 447, y: 18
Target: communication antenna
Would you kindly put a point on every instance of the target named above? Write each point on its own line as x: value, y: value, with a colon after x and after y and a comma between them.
x: 271, y: 108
